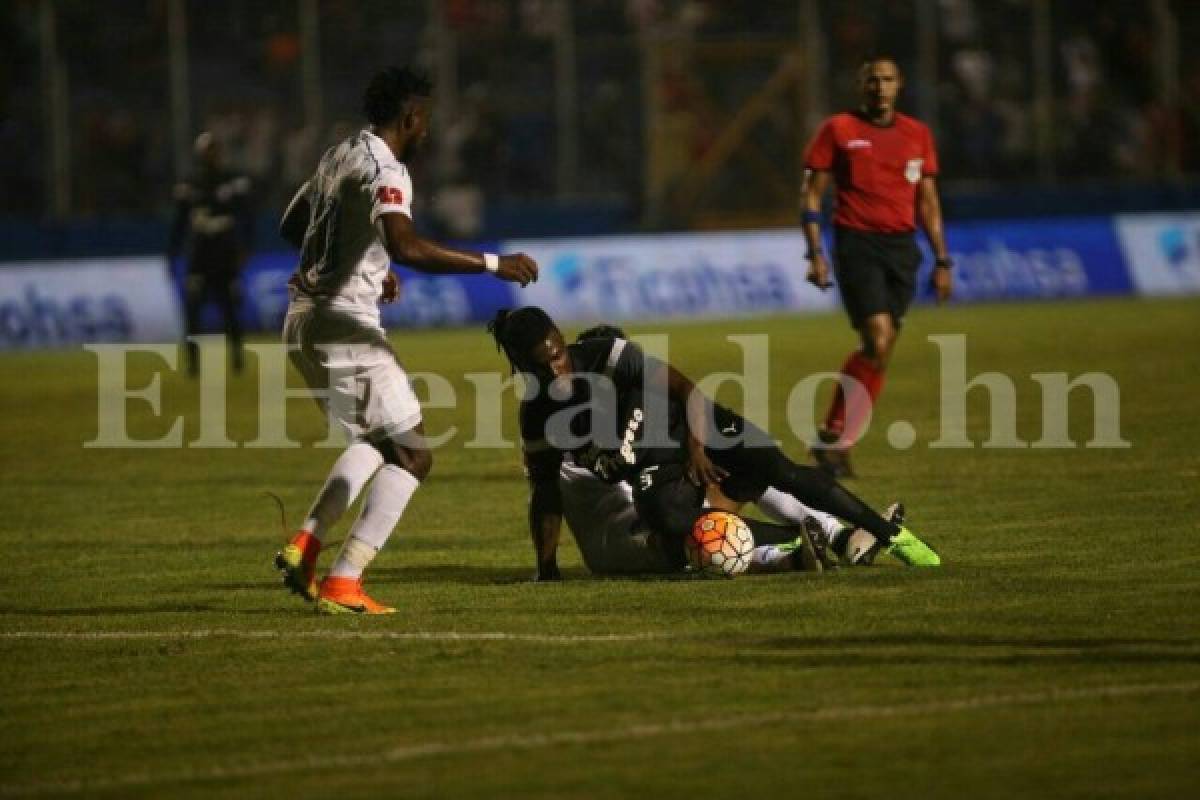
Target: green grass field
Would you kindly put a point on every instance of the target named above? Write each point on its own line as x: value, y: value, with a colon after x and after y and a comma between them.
x: 148, y: 651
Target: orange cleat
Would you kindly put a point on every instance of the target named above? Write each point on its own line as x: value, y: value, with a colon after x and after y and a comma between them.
x: 298, y: 563
x: 346, y: 596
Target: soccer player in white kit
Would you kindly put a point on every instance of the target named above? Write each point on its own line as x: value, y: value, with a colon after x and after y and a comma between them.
x: 351, y: 219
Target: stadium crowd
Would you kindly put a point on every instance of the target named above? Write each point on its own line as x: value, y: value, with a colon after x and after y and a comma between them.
x: 245, y: 65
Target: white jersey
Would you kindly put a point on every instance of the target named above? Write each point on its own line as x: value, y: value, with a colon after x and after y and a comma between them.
x: 343, y: 260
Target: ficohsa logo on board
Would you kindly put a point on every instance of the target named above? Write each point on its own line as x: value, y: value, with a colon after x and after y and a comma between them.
x: 35, y: 319
x: 652, y: 277
x: 67, y: 303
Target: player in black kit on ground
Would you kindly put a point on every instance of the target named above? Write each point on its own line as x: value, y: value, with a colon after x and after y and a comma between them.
x: 628, y: 416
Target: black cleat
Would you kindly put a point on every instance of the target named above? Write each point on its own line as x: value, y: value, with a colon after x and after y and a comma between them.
x: 803, y: 551
x: 833, y: 461
x: 821, y: 550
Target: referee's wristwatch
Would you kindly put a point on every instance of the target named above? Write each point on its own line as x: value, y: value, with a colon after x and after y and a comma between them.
x: 944, y: 263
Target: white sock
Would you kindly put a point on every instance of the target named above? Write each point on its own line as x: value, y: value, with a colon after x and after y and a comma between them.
x: 769, y: 558
x: 348, y: 476
x: 782, y: 507
x: 390, y: 492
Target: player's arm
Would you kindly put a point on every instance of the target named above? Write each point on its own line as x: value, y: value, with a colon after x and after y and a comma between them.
x: 812, y: 192
x: 180, y: 221
x: 929, y: 208
x: 545, y: 512
x: 698, y: 412
x: 405, y: 246
x: 295, y: 219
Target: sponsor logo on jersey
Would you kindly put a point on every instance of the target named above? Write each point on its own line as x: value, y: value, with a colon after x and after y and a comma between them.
x: 912, y: 170
x: 389, y: 195
x: 858, y: 144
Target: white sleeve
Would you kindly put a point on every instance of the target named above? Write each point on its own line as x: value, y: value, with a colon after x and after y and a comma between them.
x: 391, y: 192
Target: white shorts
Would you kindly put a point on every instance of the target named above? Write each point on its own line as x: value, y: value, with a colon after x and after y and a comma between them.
x: 352, y: 367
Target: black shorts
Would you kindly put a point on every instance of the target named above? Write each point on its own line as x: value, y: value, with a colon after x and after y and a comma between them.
x: 668, y: 503
x: 744, y: 459
x: 876, y: 272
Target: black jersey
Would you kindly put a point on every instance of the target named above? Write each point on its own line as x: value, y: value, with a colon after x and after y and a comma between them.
x: 616, y: 419
x: 214, y: 218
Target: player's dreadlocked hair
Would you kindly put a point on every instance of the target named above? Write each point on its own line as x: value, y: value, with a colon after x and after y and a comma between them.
x: 602, y: 332
x: 516, y: 333
x: 390, y: 89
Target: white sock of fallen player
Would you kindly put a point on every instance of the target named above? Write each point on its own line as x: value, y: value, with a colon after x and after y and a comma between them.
x: 768, y: 558
x: 782, y: 507
x: 386, y: 500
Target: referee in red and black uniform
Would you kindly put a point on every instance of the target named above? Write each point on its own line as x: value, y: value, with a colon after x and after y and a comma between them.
x: 884, y: 167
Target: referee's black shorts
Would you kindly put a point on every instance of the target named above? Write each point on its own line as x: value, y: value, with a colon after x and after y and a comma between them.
x: 876, y: 272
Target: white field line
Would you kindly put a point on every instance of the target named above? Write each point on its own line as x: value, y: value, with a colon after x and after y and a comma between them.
x: 535, y: 741
x: 431, y: 636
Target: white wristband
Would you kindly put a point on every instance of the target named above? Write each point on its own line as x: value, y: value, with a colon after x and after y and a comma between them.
x: 491, y: 262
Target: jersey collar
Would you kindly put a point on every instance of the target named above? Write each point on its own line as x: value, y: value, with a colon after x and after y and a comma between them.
x: 862, y: 115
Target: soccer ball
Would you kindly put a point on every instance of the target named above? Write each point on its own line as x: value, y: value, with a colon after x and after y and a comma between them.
x: 719, y: 545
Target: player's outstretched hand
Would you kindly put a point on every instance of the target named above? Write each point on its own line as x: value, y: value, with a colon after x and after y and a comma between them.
x: 518, y: 268
x: 818, y: 272
x: 391, y: 288
x: 942, y: 283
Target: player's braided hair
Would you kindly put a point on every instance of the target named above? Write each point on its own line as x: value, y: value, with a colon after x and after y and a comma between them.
x: 516, y: 333
x: 390, y: 89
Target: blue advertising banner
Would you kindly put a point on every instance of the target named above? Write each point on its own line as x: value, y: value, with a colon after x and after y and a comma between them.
x: 639, y: 277
x: 1162, y: 251
x: 687, y: 275
x: 425, y: 301
x: 1032, y: 259
x: 47, y: 304
x: 763, y: 272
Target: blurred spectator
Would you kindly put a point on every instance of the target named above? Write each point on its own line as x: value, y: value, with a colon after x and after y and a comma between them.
x: 213, y: 230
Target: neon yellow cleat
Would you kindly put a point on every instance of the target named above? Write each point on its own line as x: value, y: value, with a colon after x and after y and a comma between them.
x: 910, y: 550
x: 298, y: 563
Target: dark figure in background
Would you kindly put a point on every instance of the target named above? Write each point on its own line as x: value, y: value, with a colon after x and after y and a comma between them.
x: 213, y: 220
